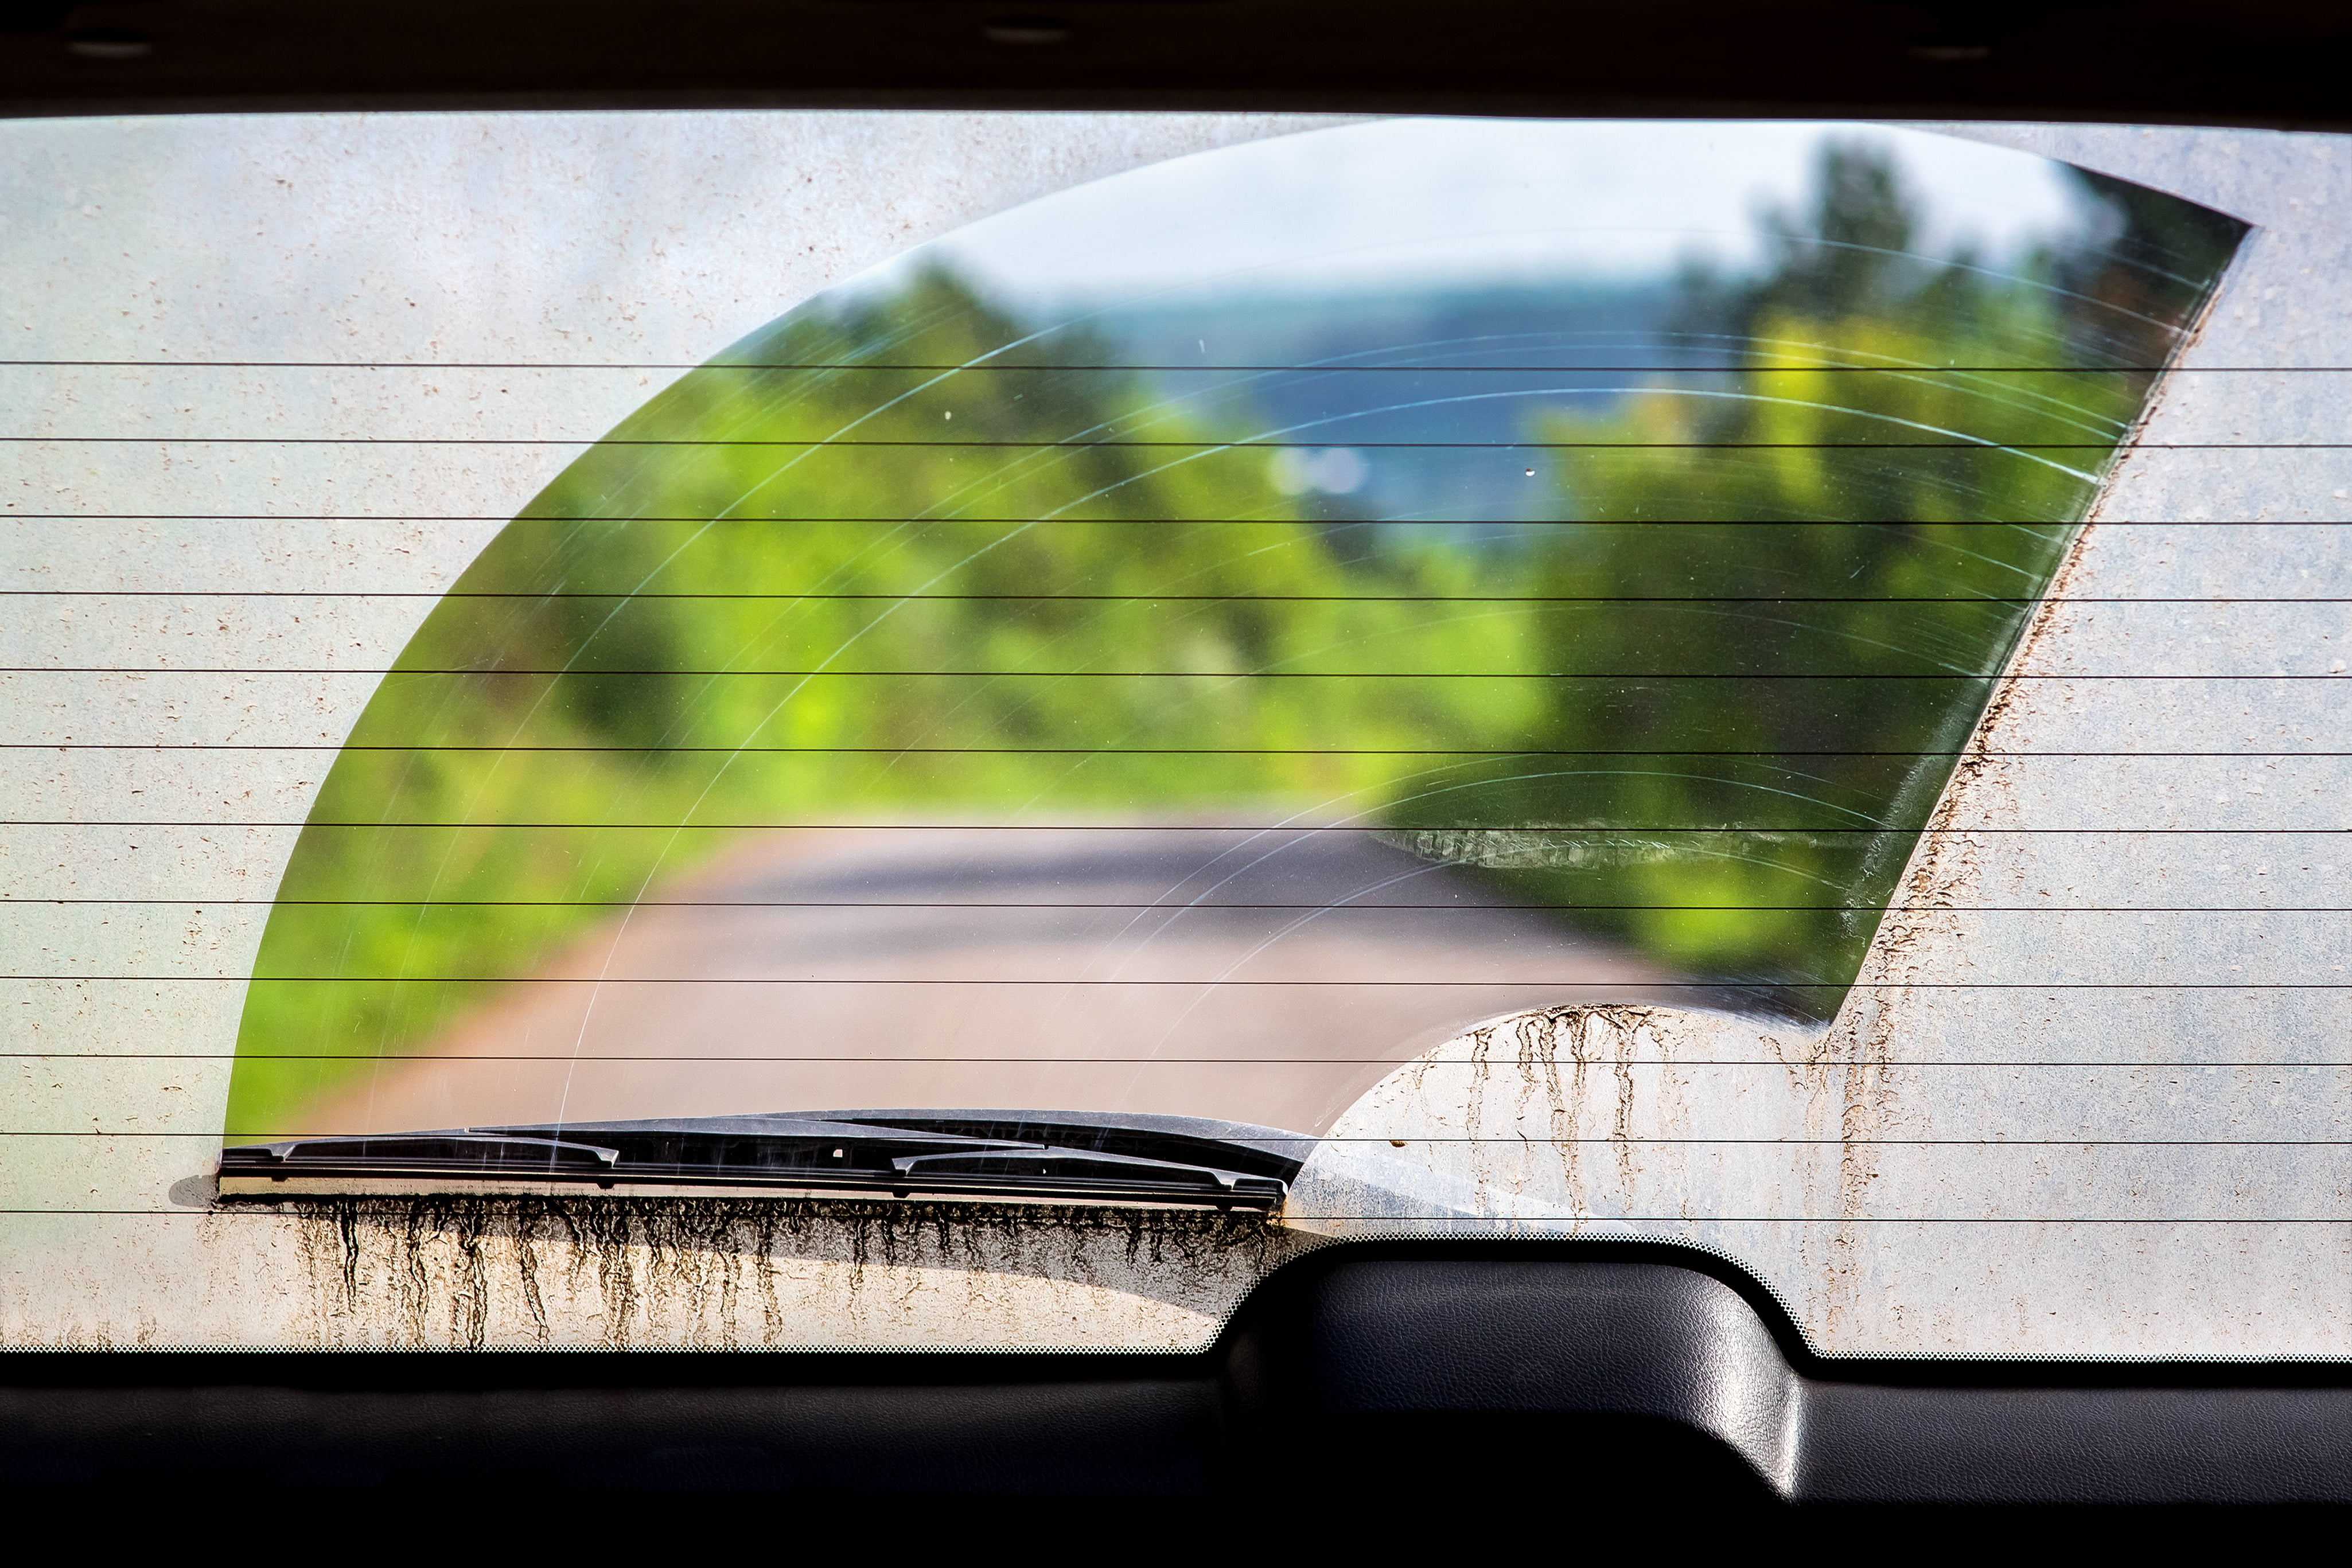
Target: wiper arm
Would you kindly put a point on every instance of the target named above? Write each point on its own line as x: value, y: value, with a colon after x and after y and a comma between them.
x: 1144, y: 1159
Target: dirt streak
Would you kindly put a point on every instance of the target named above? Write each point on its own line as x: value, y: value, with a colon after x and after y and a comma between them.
x: 613, y: 1272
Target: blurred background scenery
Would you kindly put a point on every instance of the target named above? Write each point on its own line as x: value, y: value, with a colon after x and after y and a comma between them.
x: 1193, y: 643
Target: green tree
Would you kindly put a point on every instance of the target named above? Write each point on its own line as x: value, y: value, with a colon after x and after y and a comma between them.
x: 1797, y: 575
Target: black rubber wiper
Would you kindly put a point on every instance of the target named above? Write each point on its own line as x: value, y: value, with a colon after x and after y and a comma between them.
x: 999, y: 1154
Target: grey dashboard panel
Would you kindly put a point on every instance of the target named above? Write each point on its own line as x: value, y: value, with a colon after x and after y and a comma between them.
x: 1688, y: 1346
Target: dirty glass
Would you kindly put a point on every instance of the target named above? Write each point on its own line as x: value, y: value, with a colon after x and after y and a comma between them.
x: 1193, y: 642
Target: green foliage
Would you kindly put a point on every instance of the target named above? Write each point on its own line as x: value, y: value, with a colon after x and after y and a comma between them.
x: 1838, y: 545
x: 815, y: 583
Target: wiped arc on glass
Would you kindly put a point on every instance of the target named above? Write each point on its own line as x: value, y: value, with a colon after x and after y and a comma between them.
x: 1821, y: 628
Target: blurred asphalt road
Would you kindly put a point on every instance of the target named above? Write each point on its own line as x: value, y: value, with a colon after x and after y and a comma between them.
x: 1255, y: 976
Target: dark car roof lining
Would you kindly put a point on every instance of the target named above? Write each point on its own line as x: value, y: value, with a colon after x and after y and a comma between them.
x: 2275, y: 63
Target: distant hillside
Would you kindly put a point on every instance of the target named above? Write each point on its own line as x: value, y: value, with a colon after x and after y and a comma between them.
x: 1467, y: 366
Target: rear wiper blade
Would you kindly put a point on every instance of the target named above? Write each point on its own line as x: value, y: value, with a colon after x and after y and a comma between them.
x: 1142, y: 1159
x: 1225, y: 1145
